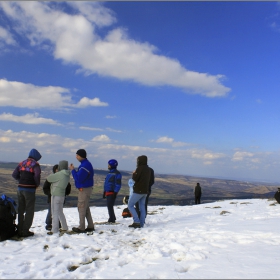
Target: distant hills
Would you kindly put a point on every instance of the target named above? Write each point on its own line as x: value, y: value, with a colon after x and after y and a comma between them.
x: 167, y: 190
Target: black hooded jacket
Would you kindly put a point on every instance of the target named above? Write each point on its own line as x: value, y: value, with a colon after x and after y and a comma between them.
x: 141, y: 176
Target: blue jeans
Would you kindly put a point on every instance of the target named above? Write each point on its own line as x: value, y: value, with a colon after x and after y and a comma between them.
x: 141, y: 199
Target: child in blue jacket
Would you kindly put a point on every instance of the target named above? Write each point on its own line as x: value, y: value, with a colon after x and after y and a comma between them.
x: 112, y: 186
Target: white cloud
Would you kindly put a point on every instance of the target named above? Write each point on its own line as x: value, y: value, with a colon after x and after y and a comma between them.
x: 74, y: 39
x: 239, y: 156
x: 99, y: 129
x: 101, y: 138
x: 27, y: 119
x: 91, y: 128
x: 6, y: 37
x: 110, y: 117
x: 113, y: 130
x: 17, y: 94
x: 170, y: 141
x: 84, y: 102
x: 94, y: 12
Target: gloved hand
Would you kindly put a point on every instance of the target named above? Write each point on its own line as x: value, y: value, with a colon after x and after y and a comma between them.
x: 104, y: 196
x: 115, y: 194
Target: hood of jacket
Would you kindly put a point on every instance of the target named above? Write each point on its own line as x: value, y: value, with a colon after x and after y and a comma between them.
x: 35, y: 154
x: 63, y: 165
x: 142, y: 160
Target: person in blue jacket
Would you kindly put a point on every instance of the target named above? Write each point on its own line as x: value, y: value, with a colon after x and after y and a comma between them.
x: 84, y: 182
x: 112, y: 185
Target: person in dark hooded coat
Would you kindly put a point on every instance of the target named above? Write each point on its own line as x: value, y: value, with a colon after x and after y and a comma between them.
x: 28, y: 175
x: 141, y: 176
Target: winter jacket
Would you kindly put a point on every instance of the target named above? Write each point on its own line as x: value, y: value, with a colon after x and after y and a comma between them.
x: 141, y: 176
x: 59, y: 179
x: 84, y: 176
x: 113, y: 182
x: 47, y: 190
x: 28, y: 173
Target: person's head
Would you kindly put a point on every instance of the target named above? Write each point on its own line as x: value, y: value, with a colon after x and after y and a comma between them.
x: 197, y: 184
x: 55, y: 168
x: 112, y: 164
x: 63, y: 165
x: 142, y: 160
x: 81, y: 155
x: 34, y: 154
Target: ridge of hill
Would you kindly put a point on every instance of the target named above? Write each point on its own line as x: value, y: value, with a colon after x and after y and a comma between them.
x: 167, y: 190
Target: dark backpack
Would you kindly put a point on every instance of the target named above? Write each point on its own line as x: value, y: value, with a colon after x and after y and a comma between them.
x: 126, y: 213
x: 277, y: 196
x: 8, y: 215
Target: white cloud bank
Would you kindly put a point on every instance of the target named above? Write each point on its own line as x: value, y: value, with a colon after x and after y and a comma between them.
x: 73, y: 38
x: 27, y: 119
x: 17, y: 94
x: 14, y: 146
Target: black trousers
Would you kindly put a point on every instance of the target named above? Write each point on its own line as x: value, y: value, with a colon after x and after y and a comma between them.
x: 110, y: 205
x: 26, y: 207
x: 197, y: 199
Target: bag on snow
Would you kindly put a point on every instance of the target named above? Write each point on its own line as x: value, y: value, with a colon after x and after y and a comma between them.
x: 126, y: 213
x: 8, y: 215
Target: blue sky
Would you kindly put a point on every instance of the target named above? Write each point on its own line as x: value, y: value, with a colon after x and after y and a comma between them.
x: 192, y: 85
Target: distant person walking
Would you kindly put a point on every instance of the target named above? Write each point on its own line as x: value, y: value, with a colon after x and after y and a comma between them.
x: 28, y: 175
x: 59, y: 182
x: 141, y: 176
x: 112, y: 185
x: 197, y: 193
x: 84, y: 182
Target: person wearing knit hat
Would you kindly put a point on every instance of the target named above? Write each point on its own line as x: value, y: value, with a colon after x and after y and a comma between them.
x: 82, y: 153
x: 28, y: 175
x: 84, y: 182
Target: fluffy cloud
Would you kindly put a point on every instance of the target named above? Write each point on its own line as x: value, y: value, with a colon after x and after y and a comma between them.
x: 84, y: 102
x: 170, y: 141
x: 73, y: 38
x: 27, y: 119
x: 17, y: 94
x: 101, y: 138
x: 239, y: 156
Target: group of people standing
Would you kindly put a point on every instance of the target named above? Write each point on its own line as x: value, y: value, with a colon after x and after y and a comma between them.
x: 57, y: 186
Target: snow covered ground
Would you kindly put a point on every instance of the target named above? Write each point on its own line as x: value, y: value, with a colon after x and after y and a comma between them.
x: 223, y: 239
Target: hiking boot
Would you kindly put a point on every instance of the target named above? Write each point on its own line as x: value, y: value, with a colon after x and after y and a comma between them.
x: 63, y: 230
x: 89, y: 229
x: 75, y: 229
x: 48, y: 227
x: 49, y: 233
x: 27, y: 234
x: 135, y: 225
